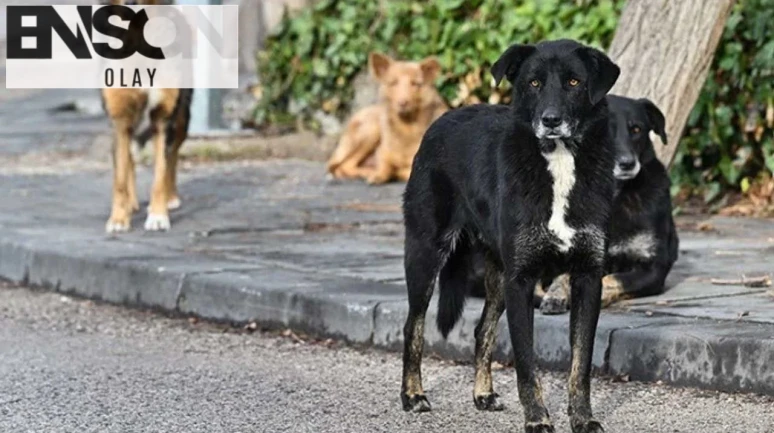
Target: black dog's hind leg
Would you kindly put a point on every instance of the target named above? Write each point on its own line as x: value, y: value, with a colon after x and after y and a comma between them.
x: 584, y: 313
x: 519, y: 310
x: 423, y: 259
x: 647, y: 281
x: 486, y: 330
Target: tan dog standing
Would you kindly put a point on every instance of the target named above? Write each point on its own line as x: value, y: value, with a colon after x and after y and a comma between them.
x: 168, y: 114
x: 168, y: 111
x: 394, y: 128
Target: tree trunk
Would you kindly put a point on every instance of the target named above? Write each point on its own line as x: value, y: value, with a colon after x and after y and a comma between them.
x: 665, y: 49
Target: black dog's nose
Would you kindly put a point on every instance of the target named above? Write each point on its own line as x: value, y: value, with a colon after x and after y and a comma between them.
x: 627, y: 164
x: 551, y: 119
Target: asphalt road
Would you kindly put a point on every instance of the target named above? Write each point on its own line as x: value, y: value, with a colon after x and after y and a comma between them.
x: 70, y: 365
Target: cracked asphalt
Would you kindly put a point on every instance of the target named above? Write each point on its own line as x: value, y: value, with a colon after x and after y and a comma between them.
x: 72, y: 365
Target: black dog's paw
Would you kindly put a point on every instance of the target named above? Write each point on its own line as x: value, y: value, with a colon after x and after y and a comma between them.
x: 539, y: 427
x: 557, y: 297
x: 488, y: 402
x: 554, y: 305
x: 589, y: 426
x: 415, y: 403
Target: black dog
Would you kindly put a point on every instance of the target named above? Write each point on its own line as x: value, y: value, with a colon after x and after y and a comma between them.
x: 531, y: 185
x: 643, y: 240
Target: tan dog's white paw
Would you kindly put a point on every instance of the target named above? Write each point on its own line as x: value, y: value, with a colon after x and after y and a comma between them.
x: 157, y: 223
x: 114, y: 226
x: 174, y: 203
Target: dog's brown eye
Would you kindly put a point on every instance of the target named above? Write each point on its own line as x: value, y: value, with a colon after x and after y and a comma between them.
x: 573, y: 82
x: 534, y: 83
x: 636, y: 129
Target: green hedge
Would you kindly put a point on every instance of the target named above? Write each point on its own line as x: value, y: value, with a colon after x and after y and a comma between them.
x: 310, y: 64
x: 729, y: 140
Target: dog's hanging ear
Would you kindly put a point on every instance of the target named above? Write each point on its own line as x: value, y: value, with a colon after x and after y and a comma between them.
x: 655, y: 117
x: 378, y: 64
x: 603, y: 73
x: 430, y: 69
x: 508, y: 64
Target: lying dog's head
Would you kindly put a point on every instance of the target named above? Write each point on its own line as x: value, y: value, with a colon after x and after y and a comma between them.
x: 631, y: 121
x: 556, y: 85
x: 405, y: 86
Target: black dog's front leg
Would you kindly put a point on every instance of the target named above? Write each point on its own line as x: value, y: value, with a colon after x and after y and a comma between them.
x: 520, y: 313
x: 584, y: 314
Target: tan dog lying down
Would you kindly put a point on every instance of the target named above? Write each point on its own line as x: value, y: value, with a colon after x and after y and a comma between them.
x: 394, y: 128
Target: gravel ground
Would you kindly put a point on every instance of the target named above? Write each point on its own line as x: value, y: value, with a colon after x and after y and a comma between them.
x: 70, y: 365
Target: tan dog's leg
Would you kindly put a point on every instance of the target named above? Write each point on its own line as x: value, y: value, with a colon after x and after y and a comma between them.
x: 132, y: 186
x: 173, y: 198
x: 181, y: 122
x: 404, y: 174
x: 158, y: 211
x: 384, y: 171
x: 122, y: 207
x: 350, y: 168
x: 359, y: 141
x: 158, y: 214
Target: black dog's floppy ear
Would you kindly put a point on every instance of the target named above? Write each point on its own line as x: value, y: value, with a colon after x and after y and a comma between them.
x: 603, y: 73
x: 655, y: 117
x: 509, y: 63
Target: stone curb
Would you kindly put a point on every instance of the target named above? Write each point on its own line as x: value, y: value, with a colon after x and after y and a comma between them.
x: 719, y: 355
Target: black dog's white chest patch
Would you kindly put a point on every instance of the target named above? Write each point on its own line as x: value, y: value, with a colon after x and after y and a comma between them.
x: 561, y: 167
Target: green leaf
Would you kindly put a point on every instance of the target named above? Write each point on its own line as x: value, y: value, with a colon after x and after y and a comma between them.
x: 768, y: 154
x: 744, y: 185
x: 712, y: 192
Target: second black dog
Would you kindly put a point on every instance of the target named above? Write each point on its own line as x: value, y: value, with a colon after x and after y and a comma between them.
x: 643, y: 240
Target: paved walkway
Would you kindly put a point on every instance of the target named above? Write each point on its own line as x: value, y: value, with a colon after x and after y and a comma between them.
x: 274, y: 242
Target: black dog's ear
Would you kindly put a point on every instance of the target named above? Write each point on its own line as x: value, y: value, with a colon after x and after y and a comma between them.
x: 655, y: 117
x: 509, y: 63
x: 603, y: 72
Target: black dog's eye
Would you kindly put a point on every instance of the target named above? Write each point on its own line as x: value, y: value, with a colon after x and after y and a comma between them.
x: 534, y: 83
x: 573, y: 82
x: 636, y: 129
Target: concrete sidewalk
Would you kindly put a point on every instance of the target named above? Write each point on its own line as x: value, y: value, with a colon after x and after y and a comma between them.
x: 275, y: 243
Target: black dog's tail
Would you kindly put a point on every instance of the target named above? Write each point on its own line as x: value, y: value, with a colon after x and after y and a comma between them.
x: 461, y: 276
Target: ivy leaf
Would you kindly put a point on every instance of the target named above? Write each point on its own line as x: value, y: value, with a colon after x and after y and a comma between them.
x: 744, y: 185
x: 768, y: 154
x: 712, y: 192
